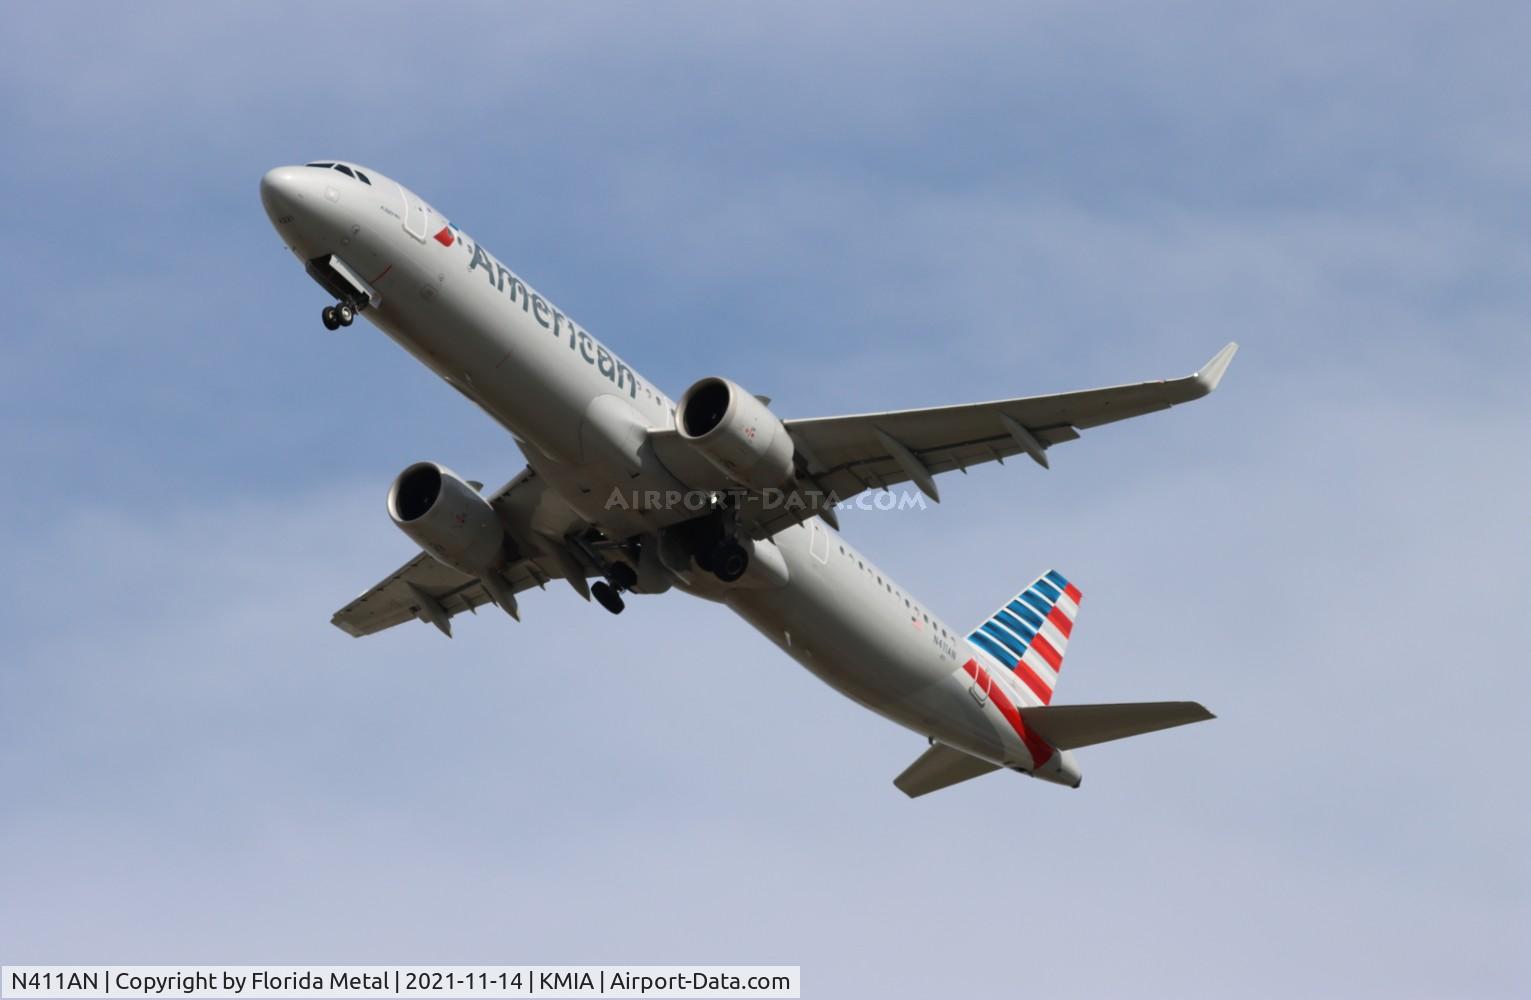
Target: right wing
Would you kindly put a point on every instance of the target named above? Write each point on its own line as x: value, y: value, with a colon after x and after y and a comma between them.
x: 839, y: 457
x: 847, y: 455
x: 427, y: 590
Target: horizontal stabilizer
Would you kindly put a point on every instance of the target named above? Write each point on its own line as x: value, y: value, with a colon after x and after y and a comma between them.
x: 1069, y: 726
x: 938, y: 768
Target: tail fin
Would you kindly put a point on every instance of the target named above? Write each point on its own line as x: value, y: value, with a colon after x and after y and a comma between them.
x: 1030, y: 633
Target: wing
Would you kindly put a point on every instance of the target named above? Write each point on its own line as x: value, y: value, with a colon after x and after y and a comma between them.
x: 407, y: 593
x: 843, y: 456
x: 425, y: 589
x: 877, y: 450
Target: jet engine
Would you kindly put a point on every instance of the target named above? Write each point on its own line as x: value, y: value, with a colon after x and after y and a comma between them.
x: 447, y: 518
x: 737, y: 433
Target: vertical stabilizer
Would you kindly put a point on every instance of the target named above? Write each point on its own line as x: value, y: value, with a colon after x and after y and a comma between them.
x: 1029, y: 634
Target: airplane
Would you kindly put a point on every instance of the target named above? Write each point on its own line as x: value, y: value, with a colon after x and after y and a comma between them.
x: 711, y: 495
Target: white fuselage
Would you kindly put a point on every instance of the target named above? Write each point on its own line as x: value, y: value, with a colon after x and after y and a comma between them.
x: 578, y: 412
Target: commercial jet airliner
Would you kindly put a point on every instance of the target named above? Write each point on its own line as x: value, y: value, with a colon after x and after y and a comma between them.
x: 712, y: 495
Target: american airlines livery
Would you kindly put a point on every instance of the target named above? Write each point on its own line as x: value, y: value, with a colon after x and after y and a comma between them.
x: 713, y: 495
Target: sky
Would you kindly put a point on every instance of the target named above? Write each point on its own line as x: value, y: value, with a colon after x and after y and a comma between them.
x: 846, y: 207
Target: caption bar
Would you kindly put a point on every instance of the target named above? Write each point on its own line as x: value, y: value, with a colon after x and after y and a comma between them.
x: 381, y: 982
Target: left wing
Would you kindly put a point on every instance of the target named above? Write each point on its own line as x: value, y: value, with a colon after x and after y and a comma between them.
x: 434, y: 593
x: 425, y: 589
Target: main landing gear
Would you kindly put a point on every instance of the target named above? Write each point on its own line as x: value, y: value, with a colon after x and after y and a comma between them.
x: 606, y: 595
x: 338, y: 315
x: 608, y: 592
x: 715, y: 541
x: 726, y: 559
x: 729, y: 560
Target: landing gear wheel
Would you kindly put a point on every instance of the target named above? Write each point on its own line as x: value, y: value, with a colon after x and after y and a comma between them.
x: 331, y: 318
x: 606, y: 595
x: 729, y: 561
x: 345, y: 312
x: 622, y: 576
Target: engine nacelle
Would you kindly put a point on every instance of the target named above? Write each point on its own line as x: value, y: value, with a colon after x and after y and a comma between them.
x: 447, y: 518
x: 737, y: 433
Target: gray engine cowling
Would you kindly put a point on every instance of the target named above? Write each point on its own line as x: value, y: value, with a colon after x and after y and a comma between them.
x: 448, y: 519
x: 736, y: 433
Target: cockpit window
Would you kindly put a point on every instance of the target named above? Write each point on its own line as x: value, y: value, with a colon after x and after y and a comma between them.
x: 348, y: 171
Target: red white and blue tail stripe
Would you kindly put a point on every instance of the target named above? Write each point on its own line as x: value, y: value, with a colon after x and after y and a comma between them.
x: 1029, y: 635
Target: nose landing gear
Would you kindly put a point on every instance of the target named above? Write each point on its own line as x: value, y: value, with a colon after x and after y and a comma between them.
x: 338, y: 315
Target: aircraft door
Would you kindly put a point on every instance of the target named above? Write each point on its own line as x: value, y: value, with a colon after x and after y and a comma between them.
x: 980, y: 687
x: 416, y: 214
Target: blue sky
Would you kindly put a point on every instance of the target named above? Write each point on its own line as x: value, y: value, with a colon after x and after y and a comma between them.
x: 861, y: 207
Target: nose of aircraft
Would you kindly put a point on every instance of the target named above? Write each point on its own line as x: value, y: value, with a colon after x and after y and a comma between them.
x: 281, y: 191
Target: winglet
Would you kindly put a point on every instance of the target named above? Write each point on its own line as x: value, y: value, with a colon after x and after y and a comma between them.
x: 1212, y: 372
